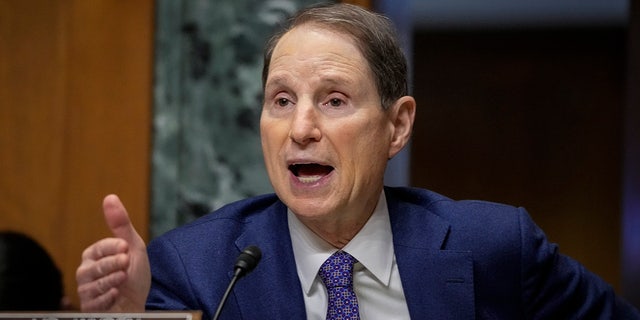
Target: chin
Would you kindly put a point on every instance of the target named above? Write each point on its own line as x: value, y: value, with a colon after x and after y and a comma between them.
x: 308, y: 208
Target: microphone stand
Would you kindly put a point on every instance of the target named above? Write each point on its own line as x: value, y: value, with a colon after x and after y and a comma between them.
x: 245, y: 263
x: 236, y: 276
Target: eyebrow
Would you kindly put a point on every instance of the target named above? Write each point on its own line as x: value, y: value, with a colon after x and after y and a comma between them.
x: 337, y: 81
x: 276, y: 80
x: 283, y: 80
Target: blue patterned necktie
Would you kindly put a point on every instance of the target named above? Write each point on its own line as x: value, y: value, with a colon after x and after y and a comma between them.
x: 337, y: 275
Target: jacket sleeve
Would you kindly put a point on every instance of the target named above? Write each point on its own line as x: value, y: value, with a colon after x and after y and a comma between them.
x: 170, y: 284
x: 556, y: 286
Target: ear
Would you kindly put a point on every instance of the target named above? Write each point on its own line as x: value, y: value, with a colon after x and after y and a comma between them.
x: 403, y: 113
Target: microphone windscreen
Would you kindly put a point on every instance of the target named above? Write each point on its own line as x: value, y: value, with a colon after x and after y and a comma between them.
x: 248, y: 259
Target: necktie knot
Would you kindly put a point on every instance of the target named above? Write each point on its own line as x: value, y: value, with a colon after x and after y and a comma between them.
x: 337, y: 271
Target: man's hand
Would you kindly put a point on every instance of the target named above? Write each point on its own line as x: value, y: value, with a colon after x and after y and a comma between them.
x: 114, y: 275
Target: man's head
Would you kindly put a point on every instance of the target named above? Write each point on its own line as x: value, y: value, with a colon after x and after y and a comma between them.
x: 326, y: 136
x: 29, y: 278
x: 372, y: 33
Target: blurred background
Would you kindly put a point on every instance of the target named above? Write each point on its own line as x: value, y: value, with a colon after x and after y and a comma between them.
x: 535, y: 104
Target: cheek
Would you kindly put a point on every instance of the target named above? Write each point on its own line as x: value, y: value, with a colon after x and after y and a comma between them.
x: 274, y: 137
x: 269, y: 149
x: 367, y: 146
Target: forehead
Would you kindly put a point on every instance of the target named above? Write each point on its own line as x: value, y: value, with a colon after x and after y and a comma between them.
x: 316, y: 49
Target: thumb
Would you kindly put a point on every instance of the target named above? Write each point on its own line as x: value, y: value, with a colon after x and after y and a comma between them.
x: 118, y: 221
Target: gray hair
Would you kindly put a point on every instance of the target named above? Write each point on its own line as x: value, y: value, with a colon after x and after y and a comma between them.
x: 374, y: 35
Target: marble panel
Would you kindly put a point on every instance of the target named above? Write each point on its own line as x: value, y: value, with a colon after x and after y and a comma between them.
x: 207, y: 101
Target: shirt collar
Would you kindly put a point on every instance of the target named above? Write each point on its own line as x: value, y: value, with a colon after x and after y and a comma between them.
x: 372, y: 247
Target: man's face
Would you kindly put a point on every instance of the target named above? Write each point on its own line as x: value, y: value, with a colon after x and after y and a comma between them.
x: 325, y: 136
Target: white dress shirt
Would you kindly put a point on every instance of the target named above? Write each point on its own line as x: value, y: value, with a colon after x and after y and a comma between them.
x: 376, y: 280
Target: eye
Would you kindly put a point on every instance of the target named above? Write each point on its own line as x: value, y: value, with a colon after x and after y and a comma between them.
x: 282, y: 102
x: 335, y: 102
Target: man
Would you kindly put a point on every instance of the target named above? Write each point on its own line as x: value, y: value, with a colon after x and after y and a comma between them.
x: 335, y: 110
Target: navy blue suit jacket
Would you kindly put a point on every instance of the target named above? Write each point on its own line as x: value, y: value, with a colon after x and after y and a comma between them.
x: 457, y: 260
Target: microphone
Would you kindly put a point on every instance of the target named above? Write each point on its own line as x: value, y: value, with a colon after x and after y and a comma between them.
x: 245, y: 263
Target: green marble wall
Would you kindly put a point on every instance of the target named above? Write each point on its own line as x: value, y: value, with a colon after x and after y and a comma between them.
x: 207, y: 101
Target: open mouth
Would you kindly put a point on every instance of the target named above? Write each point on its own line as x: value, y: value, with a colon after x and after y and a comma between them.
x: 309, y: 172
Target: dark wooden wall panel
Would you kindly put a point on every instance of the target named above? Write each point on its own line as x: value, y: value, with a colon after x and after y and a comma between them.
x: 75, y: 110
x: 532, y: 118
x: 631, y: 183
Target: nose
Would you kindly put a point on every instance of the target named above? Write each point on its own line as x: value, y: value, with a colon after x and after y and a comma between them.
x: 304, y: 124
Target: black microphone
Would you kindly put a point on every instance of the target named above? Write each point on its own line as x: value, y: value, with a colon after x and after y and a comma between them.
x: 245, y: 263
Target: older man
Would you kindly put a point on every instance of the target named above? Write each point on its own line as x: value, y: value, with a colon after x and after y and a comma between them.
x: 335, y: 110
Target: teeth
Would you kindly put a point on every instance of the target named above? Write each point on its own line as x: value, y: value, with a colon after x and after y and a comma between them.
x: 309, y: 179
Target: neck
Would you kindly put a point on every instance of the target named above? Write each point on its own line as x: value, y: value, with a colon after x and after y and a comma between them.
x: 339, y: 229
x: 338, y: 234
x: 343, y: 223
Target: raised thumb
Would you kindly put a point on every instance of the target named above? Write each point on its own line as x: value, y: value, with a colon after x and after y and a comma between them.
x: 118, y: 221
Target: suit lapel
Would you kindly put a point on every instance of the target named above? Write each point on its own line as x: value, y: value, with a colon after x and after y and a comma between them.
x: 272, y: 290
x: 438, y: 283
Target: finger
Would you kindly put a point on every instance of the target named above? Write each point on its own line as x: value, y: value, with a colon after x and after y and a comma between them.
x: 91, y: 271
x: 105, y: 247
x: 103, y: 286
x: 118, y: 220
x: 100, y: 303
